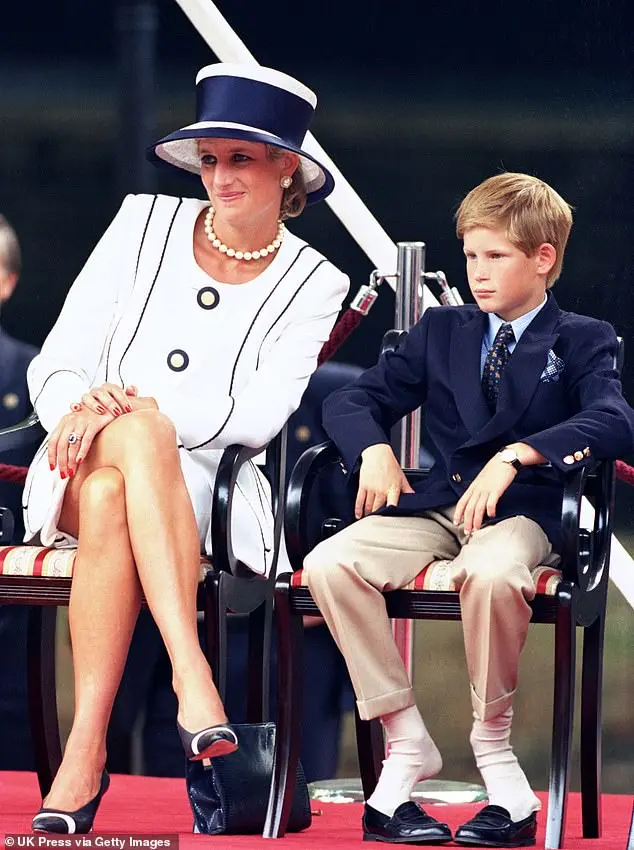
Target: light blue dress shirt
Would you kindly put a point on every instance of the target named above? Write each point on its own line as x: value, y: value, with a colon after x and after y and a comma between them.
x: 495, y: 323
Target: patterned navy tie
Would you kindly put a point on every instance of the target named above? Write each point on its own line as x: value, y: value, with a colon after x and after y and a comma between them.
x: 495, y: 363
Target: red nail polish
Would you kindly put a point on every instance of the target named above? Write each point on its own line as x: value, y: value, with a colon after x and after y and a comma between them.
x: 52, y: 465
x: 62, y: 475
x: 128, y: 409
x: 101, y: 409
x: 71, y: 472
x: 116, y: 411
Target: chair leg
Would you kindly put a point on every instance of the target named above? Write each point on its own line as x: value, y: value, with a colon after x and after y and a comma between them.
x: 563, y: 712
x: 215, y: 630
x: 630, y: 840
x: 259, y: 659
x: 591, y: 743
x: 290, y: 637
x: 42, y: 701
x: 370, y: 751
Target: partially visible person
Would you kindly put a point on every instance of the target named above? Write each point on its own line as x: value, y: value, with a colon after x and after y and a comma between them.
x: 15, y: 405
x: 517, y: 392
x: 194, y: 324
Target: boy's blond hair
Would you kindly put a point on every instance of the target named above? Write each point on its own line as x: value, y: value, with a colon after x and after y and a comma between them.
x: 528, y: 209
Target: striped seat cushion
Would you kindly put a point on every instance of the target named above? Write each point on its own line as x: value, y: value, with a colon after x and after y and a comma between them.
x: 437, y: 576
x: 41, y: 561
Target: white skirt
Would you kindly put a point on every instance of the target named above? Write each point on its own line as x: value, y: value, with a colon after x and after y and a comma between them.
x: 252, y: 517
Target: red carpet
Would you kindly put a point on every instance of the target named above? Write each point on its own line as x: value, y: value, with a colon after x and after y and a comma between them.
x: 137, y: 804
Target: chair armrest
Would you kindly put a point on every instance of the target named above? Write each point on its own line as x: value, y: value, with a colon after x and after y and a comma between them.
x: 586, y: 553
x: 313, y: 461
x: 392, y: 339
x: 23, y: 434
x: 414, y: 476
x: 232, y: 460
x: 7, y: 526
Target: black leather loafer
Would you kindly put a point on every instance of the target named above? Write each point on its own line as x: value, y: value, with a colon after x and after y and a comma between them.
x: 493, y: 827
x: 408, y: 825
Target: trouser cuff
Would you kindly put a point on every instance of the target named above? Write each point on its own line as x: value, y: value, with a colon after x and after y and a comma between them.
x: 385, y: 704
x: 489, y: 710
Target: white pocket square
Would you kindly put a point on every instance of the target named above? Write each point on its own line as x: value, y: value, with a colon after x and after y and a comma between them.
x: 553, y: 369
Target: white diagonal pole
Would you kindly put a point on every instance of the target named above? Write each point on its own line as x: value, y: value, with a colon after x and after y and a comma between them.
x: 354, y: 214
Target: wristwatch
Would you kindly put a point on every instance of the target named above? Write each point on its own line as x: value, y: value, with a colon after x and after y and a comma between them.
x: 510, y: 456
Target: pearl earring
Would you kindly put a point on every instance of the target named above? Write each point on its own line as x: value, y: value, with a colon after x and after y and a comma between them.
x: 286, y: 181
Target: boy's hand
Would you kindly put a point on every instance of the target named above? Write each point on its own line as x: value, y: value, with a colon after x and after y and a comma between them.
x: 483, y: 494
x: 381, y: 480
x: 485, y: 490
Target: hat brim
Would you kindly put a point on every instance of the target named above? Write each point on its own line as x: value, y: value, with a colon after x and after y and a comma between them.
x: 180, y: 151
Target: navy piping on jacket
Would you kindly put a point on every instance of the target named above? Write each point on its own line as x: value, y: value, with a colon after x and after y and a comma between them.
x: 235, y: 365
x: 293, y: 297
x: 80, y: 374
x: 136, y: 271
x: 255, y: 318
x: 149, y: 295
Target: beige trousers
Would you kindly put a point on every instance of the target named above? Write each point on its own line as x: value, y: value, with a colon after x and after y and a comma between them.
x: 492, y: 568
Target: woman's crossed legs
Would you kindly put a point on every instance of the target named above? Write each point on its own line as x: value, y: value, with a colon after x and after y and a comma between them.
x: 129, y: 507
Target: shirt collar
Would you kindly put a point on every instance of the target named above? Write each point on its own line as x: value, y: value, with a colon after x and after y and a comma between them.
x: 519, y: 325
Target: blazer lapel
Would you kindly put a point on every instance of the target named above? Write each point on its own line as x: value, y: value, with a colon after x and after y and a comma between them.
x: 522, y: 373
x: 464, y: 364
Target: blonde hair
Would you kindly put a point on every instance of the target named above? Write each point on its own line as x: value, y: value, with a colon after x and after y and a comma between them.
x: 10, y: 256
x: 293, y: 198
x: 529, y: 210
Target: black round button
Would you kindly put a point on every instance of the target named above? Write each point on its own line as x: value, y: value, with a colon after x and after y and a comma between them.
x: 208, y: 298
x: 178, y: 360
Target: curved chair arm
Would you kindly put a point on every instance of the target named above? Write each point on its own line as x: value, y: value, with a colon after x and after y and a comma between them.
x: 311, y: 463
x: 392, y: 339
x: 306, y: 470
x: 586, y: 554
x: 233, y: 459
x: 23, y: 434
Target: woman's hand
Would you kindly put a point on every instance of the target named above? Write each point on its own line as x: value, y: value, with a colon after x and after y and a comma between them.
x: 108, y: 398
x: 143, y: 403
x: 381, y: 480
x: 70, y: 442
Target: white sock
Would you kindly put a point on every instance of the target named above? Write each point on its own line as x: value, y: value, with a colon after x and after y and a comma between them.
x: 412, y: 756
x: 504, y: 779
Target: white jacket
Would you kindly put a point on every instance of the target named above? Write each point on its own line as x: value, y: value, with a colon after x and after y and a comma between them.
x: 226, y: 363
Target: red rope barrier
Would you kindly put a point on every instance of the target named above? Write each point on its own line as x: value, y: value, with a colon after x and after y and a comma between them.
x: 625, y: 472
x: 341, y: 331
x: 13, y: 474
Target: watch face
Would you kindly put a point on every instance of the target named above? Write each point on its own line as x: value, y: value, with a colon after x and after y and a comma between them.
x: 508, y: 455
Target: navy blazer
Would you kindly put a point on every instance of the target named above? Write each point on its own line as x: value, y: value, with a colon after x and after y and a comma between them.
x: 570, y: 414
x: 15, y: 405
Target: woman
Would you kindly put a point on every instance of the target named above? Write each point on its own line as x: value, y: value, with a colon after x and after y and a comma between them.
x: 193, y: 325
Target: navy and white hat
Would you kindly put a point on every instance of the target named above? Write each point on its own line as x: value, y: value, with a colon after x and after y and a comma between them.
x: 253, y: 103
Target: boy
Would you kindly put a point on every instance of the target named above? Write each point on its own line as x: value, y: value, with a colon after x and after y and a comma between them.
x: 516, y: 392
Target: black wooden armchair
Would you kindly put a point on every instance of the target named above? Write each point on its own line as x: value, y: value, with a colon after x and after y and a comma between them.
x: 41, y: 578
x: 572, y: 597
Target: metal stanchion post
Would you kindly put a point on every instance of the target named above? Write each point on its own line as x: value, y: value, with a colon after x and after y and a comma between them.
x: 409, y: 308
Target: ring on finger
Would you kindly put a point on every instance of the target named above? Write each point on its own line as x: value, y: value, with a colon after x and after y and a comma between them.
x: 74, y: 438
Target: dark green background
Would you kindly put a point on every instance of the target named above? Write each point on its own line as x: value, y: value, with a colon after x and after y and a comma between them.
x: 418, y: 102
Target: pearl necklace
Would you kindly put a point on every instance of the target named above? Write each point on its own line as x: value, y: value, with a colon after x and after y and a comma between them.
x: 241, y: 255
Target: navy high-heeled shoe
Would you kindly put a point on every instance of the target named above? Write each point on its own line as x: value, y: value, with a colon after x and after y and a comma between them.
x: 69, y: 823
x: 214, y: 741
